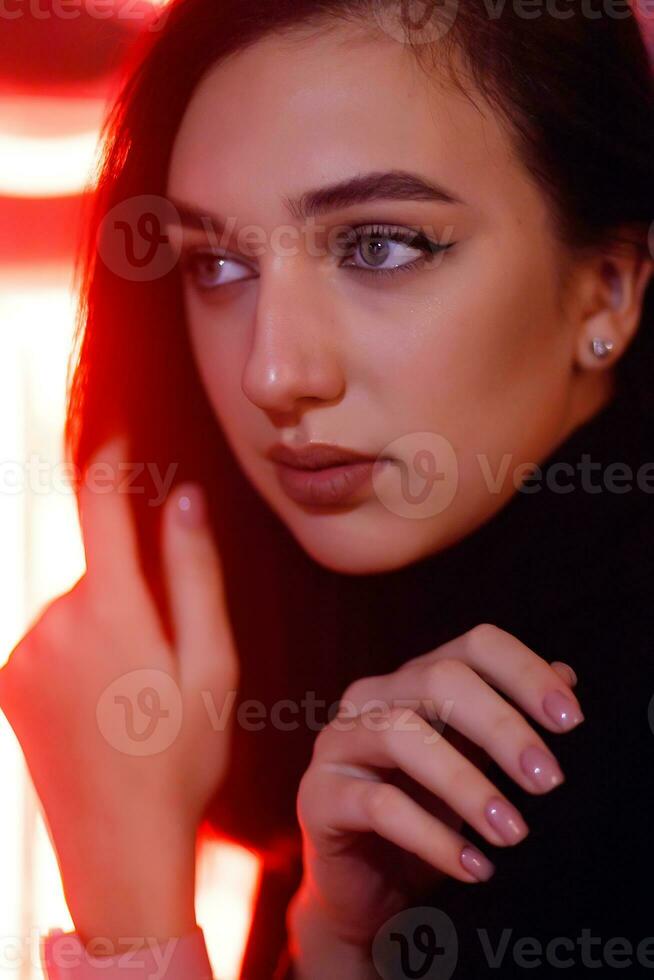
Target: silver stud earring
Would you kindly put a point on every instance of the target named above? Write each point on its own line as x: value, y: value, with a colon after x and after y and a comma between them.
x: 601, y: 348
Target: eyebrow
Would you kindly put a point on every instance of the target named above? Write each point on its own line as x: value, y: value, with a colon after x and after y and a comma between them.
x: 390, y: 185
x: 394, y: 185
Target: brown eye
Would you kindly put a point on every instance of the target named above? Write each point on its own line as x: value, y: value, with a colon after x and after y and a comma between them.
x: 208, y: 270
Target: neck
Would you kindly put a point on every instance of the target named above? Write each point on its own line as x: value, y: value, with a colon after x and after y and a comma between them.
x: 591, y: 392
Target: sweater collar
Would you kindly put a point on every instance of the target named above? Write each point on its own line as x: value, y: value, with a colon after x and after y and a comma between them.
x: 579, y: 528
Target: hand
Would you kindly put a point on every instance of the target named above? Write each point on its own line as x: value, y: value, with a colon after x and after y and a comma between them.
x: 382, y: 802
x: 122, y: 795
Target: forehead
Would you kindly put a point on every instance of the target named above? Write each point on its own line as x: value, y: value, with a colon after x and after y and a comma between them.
x: 296, y: 112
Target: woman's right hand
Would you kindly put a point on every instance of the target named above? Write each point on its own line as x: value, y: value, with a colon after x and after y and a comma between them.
x: 112, y: 718
x: 384, y: 798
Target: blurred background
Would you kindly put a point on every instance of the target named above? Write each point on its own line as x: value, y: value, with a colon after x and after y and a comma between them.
x: 60, y: 64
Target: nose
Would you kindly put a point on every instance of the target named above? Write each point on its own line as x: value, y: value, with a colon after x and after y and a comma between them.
x: 294, y: 352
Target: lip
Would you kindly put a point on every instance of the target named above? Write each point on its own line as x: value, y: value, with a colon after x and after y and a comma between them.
x: 317, y: 455
x: 322, y: 473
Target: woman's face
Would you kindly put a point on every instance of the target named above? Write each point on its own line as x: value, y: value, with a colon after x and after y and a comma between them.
x: 456, y: 366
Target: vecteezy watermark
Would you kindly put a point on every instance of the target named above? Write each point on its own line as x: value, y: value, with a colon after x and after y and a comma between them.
x: 422, y: 475
x: 147, y: 694
x: 141, y: 239
x: 417, y: 942
x: 561, y: 476
x: 61, y: 953
x: 41, y: 10
x: 20, y: 953
x: 564, y: 952
x: 286, y: 714
x: 423, y: 942
x: 426, y: 21
x: 415, y: 21
x: 132, y: 239
x: 561, y: 9
x: 141, y: 713
x: 41, y: 476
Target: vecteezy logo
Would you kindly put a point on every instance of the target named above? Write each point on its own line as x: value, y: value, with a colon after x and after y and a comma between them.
x: 422, y: 478
x: 132, y: 240
x: 140, y: 713
x: 150, y: 704
x: 424, y: 466
x: 416, y: 943
x: 415, y: 21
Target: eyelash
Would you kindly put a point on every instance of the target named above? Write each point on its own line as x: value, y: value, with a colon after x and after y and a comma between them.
x: 351, y: 239
x: 394, y: 233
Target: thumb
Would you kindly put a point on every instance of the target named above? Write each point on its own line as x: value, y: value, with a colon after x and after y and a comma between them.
x: 195, y: 585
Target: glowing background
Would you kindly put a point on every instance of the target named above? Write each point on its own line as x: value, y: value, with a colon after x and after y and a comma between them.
x: 42, y: 556
x: 48, y: 143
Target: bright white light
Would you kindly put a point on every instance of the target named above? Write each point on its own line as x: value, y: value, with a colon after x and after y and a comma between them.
x: 227, y: 881
x: 45, y: 167
x: 48, y: 146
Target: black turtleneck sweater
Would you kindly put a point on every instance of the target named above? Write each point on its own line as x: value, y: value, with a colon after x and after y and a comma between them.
x: 568, y: 569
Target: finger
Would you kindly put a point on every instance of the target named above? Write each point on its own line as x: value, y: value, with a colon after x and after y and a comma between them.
x: 508, y: 664
x: 107, y: 524
x: 457, y: 696
x: 367, y: 804
x: 565, y: 671
x: 195, y: 586
x: 404, y: 740
x: 452, y: 693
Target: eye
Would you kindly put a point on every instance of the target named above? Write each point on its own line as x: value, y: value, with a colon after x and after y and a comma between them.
x: 208, y: 269
x: 379, y: 245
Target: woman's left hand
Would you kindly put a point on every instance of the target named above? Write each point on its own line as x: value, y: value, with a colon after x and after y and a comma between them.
x: 375, y: 837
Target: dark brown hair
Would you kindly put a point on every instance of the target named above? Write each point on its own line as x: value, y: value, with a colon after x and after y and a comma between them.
x: 577, y: 96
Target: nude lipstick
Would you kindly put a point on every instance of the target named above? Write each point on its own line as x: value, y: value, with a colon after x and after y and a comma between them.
x: 323, y: 474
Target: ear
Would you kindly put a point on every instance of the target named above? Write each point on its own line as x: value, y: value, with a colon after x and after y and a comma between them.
x: 612, y: 290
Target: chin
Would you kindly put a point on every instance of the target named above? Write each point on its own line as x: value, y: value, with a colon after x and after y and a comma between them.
x: 364, y: 538
x: 358, y: 543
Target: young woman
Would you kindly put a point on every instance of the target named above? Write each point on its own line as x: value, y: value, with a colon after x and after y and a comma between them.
x: 378, y: 291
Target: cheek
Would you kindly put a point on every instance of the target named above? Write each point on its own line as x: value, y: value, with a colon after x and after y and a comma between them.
x: 482, y: 355
x: 218, y: 343
x: 476, y: 324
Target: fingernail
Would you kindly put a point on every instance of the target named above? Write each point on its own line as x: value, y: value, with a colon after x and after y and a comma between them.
x: 190, y: 507
x: 505, y: 819
x: 568, y: 669
x: 562, y: 710
x: 476, y: 864
x: 541, y: 767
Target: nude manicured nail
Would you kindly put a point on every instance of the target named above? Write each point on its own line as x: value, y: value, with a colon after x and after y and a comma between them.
x: 541, y: 767
x: 191, y: 507
x: 568, y: 669
x: 505, y: 819
x: 562, y: 710
x: 476, y: 864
